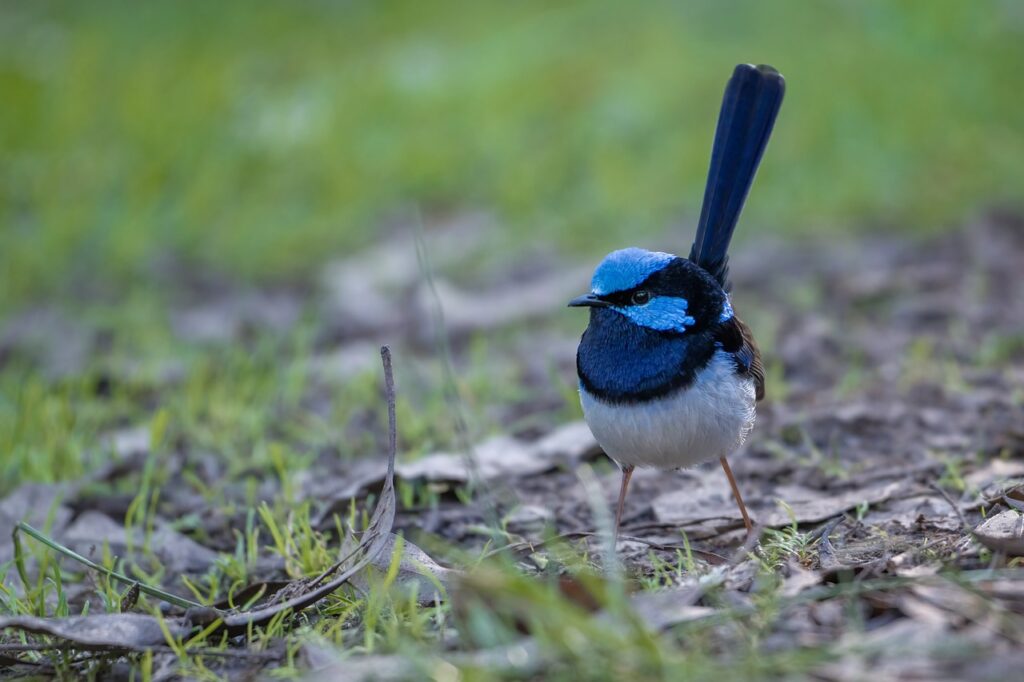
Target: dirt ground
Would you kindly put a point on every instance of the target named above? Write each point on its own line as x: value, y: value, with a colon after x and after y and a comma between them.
x: 885, y: 475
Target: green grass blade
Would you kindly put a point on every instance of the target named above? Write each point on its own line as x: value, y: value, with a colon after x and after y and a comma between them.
x: 71, y: 554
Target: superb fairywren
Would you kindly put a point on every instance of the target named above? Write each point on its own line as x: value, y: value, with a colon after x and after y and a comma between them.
x: 669, y: 376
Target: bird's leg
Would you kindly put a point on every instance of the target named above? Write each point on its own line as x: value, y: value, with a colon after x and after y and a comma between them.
x: 736, y: 494
x: 627, y: 472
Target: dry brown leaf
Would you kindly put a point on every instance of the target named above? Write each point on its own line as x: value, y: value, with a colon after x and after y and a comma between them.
x: 708, y: 498
x: 1003, y: 532
x: 416, y: 570
x: 105, y: 632
x: 92, y: 530
x: 493, y: 459
x: 811, y: 506
x: 503, y: 456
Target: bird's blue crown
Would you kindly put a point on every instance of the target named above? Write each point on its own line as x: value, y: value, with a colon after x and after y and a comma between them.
x: 652, y: 289
x: 626, y: 268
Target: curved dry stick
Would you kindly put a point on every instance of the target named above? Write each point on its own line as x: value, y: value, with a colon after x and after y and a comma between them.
x: 373, y: 542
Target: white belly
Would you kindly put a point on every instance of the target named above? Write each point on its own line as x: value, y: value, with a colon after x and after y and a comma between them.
x: 709, y: 419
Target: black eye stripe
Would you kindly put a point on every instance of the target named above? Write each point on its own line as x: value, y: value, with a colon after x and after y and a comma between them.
x: 667, y: 282
x: 620, y: 299
x: 636, y: 296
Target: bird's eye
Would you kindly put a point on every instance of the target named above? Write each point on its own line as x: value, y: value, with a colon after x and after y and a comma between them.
x: 641, y: 297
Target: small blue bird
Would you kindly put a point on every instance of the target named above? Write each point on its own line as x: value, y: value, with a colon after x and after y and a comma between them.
x: 669, y: 376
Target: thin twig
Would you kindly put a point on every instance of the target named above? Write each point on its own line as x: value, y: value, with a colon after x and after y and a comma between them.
x: 744, y: 550
x: 826, y: 551
x: 956, y: 508
x: 1011, y: 502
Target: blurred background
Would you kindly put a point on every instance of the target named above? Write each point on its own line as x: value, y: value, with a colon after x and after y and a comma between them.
x: 260, y: 139
x: 158, y: 155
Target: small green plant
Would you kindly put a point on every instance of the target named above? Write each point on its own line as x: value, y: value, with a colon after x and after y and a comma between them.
x: 952, y: 474
x: 780, y: 545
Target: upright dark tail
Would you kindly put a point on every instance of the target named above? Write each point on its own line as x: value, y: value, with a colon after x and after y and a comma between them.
x: 751, y: 102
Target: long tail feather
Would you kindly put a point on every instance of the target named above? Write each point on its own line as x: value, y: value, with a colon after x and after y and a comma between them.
x: 751, y: 102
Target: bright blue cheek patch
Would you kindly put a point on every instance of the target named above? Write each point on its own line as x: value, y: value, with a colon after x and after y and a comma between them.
x: 623, y: 270
x: 663, y: 313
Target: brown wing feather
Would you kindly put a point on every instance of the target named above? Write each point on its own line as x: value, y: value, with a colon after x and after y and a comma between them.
x: 736, y: 338
x: 756, y: 366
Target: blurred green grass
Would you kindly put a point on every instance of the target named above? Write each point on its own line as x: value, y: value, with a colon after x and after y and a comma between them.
x: 259, y: 139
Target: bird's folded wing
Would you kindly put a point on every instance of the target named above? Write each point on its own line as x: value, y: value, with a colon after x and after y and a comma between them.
x: 735, y: 338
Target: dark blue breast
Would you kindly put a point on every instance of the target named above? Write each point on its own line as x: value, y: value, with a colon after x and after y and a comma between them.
x: 622, y: 362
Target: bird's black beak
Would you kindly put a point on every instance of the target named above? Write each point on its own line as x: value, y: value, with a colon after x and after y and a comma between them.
x: 588, y: 301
